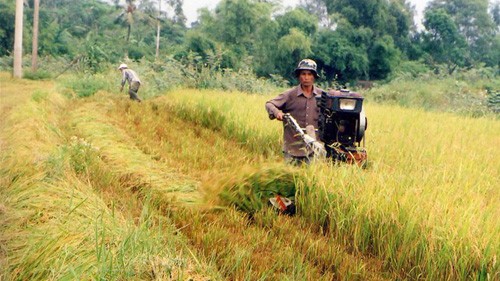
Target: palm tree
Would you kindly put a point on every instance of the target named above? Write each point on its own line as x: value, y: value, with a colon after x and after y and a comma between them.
x: 128, y: 14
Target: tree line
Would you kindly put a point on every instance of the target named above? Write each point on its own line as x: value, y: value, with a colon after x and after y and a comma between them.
x: 349, y: 39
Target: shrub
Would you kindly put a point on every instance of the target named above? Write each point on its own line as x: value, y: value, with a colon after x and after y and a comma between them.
x: 88, y: 85
x: 409, y: 69
x: 467, y: 92
x: 37, y: 75
x: 493, y: 100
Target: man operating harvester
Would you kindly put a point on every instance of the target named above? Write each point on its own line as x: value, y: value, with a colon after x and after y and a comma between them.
x: 128, y: 75
x: 300, y: 103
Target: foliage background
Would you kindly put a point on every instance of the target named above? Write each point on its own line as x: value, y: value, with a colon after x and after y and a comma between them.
x: 350, y: 40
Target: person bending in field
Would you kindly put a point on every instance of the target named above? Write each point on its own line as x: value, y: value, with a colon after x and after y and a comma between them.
x: 300, y: 102
x: 133, y: 81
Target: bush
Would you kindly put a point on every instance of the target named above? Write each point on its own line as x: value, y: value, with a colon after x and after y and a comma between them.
x: 161, y: 76
x: 37, y: 75
x: 88, y: 85
x: 6, y: 63
x: 409, y: 69
x: 467, y: 92
x: 493, y: 100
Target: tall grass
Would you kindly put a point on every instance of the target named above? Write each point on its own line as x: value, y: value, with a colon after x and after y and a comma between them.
x: 428, y: 204
x: 226, y: 112
x: 219, y: 162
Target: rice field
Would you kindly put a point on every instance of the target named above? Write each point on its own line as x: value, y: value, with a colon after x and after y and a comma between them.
x: 175, y: 188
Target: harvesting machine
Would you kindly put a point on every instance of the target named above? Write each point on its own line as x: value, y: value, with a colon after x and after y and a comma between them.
x: 341, y: 128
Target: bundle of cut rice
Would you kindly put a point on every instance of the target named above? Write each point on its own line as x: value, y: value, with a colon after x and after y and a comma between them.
x: 250, y: 190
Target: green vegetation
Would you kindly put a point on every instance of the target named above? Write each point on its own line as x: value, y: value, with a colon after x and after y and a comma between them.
x: 37, y: 75
x: 247, y: 46
x: 350, y: 40
x: 465, y: 92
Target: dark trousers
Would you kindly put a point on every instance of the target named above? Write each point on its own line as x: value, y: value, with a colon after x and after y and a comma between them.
x: 132, y: 91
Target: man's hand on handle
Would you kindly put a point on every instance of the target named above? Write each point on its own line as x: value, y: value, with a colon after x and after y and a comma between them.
x: 279, y: 115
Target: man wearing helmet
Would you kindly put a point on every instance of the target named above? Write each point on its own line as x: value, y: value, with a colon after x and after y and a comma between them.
x: 300, y: 102
x: 133, y: 81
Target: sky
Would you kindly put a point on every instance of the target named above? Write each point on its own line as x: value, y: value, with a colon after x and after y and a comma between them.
x: 191, y: 7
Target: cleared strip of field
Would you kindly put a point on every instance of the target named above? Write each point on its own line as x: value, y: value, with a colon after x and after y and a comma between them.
x: 428, y: 203
x: 55, y: 221
x: 138, y: 171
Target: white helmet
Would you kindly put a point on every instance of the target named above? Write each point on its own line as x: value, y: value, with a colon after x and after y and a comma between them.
x: 122, y: 66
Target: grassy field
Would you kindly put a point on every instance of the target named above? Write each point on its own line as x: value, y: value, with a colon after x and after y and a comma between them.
x: 173, y: 188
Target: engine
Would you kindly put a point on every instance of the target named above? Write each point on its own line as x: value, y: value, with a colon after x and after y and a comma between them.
x: 342, y: 125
